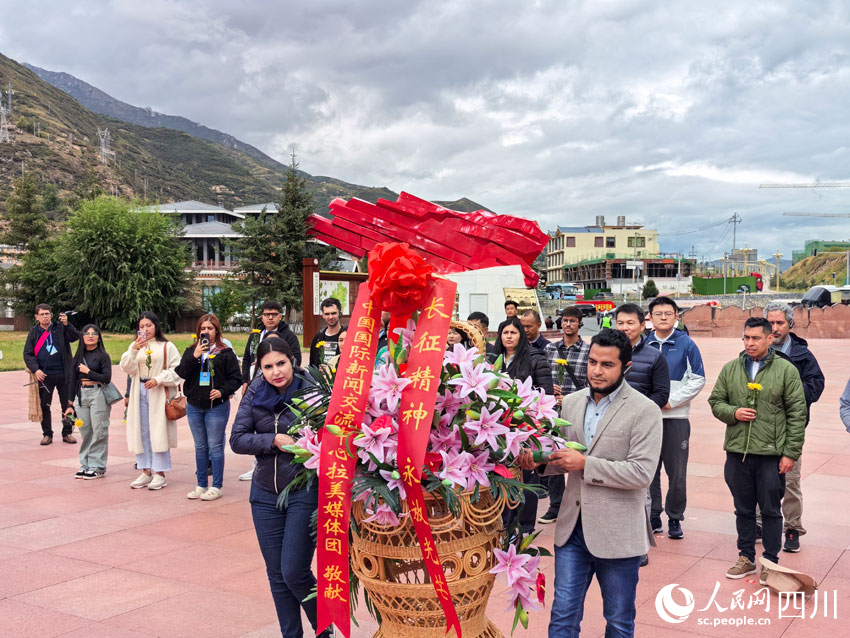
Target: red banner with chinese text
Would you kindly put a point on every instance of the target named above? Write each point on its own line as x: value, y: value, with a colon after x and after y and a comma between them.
x: 336, y: 466
x: 416, y: 412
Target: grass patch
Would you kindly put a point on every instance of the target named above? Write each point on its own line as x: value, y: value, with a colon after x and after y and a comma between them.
x: 12, y: 345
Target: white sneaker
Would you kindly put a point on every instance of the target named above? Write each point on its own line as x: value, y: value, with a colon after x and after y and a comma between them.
x: 247, y: 476
x: 211, y: 494
x: 142, y: 481
x: 196, y: 493
x: 157, y: 483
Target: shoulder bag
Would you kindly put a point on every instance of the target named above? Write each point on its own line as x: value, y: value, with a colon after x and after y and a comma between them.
x: 175, y: 407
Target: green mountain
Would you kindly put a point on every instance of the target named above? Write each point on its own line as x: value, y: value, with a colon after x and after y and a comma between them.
x: 56, y: 137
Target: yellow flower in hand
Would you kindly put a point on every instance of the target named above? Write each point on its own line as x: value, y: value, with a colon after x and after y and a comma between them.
x: 78, y: 423
x: 562, y: 362
x: 256, y: 331
x: 194, y: 337
x: 754, y: 386
x: 212, y: 356
x: 148, y: 351
x: 320, y: 344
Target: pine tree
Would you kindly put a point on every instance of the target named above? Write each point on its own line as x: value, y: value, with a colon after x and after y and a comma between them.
x: 650, y: 290
x: 27, y: 224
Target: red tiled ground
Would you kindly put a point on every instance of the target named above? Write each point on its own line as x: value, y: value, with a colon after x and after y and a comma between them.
x: 95, y: 559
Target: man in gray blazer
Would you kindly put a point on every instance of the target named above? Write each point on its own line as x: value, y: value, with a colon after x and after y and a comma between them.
x: 602, y: 526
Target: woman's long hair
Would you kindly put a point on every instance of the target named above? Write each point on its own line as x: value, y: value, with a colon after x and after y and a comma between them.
x: 520, y: 366
x: 216, y: 324
x: 81, y: 349
x: 157, y: 325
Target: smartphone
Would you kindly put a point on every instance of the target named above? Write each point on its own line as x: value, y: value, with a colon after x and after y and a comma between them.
x: 141, y: 334
x: 205, y: 340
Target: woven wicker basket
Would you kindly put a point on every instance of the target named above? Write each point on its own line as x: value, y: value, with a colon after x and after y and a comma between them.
x: 388, y: 562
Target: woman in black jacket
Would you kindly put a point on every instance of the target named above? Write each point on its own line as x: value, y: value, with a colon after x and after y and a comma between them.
x: 521, y: 360
x: 91, y: 371
x: 211, y: 375
x: 284, y: 535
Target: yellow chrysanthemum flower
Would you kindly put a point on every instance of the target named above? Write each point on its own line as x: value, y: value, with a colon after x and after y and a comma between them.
x: 194, y: 337
x: 754, y: 386
x: 256, y: 331
x: 320, y: 344
x: 148, y: 351
x: 78, y: 423
x: 562, y: 362
x: 212, y: 356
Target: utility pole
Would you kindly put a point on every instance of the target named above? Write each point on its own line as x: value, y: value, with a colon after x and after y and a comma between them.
x: 724, y: 273
x: 777, y: 256
x: 735, y: 219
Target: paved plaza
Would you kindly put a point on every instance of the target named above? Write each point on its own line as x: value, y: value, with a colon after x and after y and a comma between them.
x: 95, y: 559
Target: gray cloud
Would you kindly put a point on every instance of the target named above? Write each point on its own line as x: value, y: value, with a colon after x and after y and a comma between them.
x: 664, y: 112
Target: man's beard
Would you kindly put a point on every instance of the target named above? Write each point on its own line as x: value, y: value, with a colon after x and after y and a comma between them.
x: 608, y: 389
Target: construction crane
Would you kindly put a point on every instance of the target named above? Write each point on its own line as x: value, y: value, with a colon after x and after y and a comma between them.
x: 814, y: 185
x: 841, y: 215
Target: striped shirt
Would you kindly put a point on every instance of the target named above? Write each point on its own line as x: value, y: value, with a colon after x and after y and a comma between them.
x: 576, y: 358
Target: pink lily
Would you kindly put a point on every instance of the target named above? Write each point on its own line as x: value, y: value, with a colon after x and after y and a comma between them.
x: 513, y: 441
x: 486, y: 428
x: 383, y: 515
x: 447, y: 406
x: 474, y: 379
x: 455, y: 468
x: 375, y: 438
x: 394, y: 484
x: 510, y: 563
x: 459, y: 355
x: 479, y: 466
x: 387, y: 386
x: 444, y: 439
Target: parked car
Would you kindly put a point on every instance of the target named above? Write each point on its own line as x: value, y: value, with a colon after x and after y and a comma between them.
x: 587, y: 309
x: 821, y: 296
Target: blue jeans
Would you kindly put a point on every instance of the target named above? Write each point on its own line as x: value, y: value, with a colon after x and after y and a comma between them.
x: 574, y: 569
x: 208, y: 427
x: 287, y: 547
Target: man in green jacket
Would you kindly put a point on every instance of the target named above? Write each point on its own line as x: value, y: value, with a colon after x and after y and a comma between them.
x: 760, y: 398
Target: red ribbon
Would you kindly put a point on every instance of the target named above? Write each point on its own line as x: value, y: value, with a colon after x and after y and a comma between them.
x: 348, y: 404
x: 416, y: 412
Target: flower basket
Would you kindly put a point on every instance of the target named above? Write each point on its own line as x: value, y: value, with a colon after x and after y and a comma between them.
x: 387, y: 560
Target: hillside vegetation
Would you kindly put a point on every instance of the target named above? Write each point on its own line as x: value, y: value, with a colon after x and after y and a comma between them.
x: 813, y: 271
x: 55, y: 137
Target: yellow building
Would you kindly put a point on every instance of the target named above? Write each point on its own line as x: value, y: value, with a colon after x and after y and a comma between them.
x: 573, y: 244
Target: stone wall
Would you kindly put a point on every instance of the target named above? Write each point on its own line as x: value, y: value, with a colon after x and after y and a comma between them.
x: 810, y: 323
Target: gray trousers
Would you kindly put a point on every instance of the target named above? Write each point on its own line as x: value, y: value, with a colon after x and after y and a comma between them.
x: 674, y: 458
x: 92, y: 409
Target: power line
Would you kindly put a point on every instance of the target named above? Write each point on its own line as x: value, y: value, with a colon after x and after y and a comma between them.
x: 695, y: 230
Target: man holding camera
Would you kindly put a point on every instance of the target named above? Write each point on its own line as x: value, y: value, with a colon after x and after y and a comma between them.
x: 47, y: 355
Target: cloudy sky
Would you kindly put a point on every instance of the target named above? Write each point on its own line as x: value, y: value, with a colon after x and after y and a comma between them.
x: 665, y: 112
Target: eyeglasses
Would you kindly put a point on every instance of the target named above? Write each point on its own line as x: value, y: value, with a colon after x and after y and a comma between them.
x: 91, y: 334
x: 271, y: 315
x: 663, y: 315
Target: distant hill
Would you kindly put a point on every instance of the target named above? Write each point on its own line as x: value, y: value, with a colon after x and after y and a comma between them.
x: 816, y: 270
x: 163, y: 157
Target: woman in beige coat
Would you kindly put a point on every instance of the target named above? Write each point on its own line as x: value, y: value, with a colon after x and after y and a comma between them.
x: 150, y: 362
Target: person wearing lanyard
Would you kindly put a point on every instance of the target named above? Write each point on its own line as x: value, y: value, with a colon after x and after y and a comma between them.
x: 47, y: 355
x: 211, y: 376
x: 92, y: 370
x: 260, y: 428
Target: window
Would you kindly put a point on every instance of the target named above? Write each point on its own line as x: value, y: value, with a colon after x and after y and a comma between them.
x: 637, y: 242
x: 597, y: 242
x: 610, y: 242
x: 571, y: 242
x: 210, y: 218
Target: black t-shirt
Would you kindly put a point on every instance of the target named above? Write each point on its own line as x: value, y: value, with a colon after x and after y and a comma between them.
x: 327, y: 352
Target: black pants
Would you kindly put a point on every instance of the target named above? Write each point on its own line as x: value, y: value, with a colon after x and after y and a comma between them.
x: 674, y: 457
x: 527, y: 512
x: 45, y: 393
x: 557, y: 484
x: 756, y: 479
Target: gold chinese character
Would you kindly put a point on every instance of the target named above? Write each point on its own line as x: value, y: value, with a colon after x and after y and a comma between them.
x: 359, y: 353
x: 332, y: 526
x: 421, y: 378
x: 356, y: 369
x: 333, y: 545
x: 416, y: 513
x: 334, y: 592
x: 428, y: 343
x: 408, y: 473
x: 334, y: 509
x: 333, y: 572
x: 366, y: 322
x: 435, y: 308
x: 428, y: 549
x: 368, y: 307
x: 337, y: 472
x: 353, y: 384
x: 363, y: 337
x: 335, y: 491
x: 417, y: 414
x: 343, y: 419
x: 350, y: 401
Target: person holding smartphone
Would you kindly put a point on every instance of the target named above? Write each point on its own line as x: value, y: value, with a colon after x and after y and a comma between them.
x: 151, y: 361
x: 212, y: 375
x: 47, y: 355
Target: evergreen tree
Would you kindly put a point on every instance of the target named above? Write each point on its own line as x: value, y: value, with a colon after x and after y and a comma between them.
x: 26, y: 223
x: 650, y: 290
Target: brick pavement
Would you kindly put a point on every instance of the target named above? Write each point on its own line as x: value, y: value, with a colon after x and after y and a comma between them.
x: 96, y: 559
